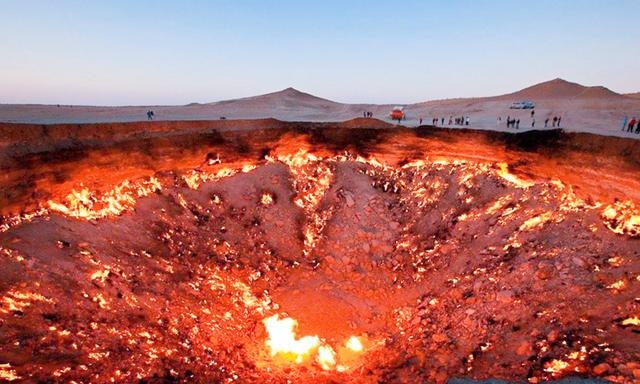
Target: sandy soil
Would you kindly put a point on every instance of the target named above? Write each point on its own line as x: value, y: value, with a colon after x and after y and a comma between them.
x: 583, y: 109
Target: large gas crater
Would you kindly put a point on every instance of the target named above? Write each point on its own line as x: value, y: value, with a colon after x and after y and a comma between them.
x: 271, y: 252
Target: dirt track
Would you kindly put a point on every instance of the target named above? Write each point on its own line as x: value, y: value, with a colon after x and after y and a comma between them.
x: 448, y: 253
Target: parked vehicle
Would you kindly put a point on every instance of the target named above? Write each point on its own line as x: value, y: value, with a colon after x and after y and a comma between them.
x: 397, y: 114
x: 525, y: 104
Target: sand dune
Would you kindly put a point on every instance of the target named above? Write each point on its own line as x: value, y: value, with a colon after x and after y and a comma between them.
x: 593, y: 109
x: 562, y: 89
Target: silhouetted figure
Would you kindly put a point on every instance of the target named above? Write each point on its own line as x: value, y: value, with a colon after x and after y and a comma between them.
x: 546, y: 122
x: 624, y: 122
x: 555, y: 121
x: 420, y: 123
x: 517, y: 123
x: 632, y: 124
x: 533, y: 112
x: 533, y: 123
x: 149, y: 115
x: 468, y: 120
x: 559, y: 118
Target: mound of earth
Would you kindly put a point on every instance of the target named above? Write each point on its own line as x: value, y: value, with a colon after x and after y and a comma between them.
x: 562, y: 89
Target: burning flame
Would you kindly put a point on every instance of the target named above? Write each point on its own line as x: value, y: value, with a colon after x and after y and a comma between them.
x: 556, y: 367
x: 622, y: 218
x: 354, y: 344
x: 282, y: 339
x: 7, y: 373
x: 503, y: 172
x: 86, y: 205
x: 283, y: 342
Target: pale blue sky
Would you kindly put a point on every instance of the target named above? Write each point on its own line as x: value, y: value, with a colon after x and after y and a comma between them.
x: 176, y: 52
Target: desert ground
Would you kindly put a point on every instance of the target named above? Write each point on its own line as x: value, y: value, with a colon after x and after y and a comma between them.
x: 593, y: 109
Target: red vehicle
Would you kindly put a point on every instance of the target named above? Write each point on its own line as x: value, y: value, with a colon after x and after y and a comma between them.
x: 397, y: 114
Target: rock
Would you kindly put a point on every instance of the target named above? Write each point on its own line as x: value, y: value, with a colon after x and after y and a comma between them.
x: 578, y: 261
x: 441, y: 377
x: 62, y: 244
x: 601, y: 369
x: 524, y: 349
x: 439, y: 338
x: 349, y: 199
x: 505, y: 296
x: 545, y: 271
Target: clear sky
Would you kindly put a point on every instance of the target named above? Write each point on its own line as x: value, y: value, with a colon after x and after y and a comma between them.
x: 174, y: 52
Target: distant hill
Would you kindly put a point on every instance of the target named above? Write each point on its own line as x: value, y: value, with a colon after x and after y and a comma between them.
x: 289, y: 97
x: 562, y: 89
x: 635, y: 95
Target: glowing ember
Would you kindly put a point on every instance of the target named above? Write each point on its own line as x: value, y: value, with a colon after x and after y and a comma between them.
x: 354, y: 344
x: 266, y: 199
x: 622, y: 218
x: 8, y: 374
x: 326, y: 357
x: 16, y: 301
x: 556, y: 367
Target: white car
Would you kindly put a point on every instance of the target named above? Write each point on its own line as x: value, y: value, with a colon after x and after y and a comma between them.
x: 523, y: 105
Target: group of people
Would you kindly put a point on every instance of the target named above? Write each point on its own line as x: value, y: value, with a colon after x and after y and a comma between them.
x: 515, y: 123
x: 512, y: 123
x: 150, y: 115
x: 631, y: 124
x: 434, y: 121
x: 462, y: 120
x: 367, y: 114
x: 555, y: 122
x: 458, y: 120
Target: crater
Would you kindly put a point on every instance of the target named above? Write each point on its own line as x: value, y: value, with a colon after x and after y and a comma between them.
x: 319, y: 253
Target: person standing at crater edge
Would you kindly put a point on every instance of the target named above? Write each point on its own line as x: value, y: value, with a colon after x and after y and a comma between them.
x: 632, y: 124
x: 624, y: 123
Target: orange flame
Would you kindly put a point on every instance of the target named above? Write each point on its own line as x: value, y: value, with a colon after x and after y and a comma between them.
x: 282, y: 339
x: 283, y: 342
